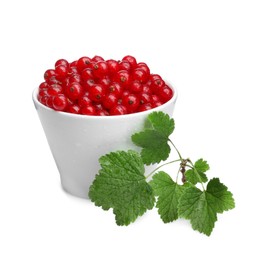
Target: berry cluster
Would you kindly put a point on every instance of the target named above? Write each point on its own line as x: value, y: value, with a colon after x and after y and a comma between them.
x: 94, y: 86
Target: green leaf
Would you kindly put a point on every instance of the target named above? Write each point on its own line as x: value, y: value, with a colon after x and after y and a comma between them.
x: 168, y: 193
x: 193, y: 205
x: 201, y: 207
x: 154, y: 139
x: 201, y: 167
x: 161, y: 122
x: 219, y: 196
x: 121, y: 185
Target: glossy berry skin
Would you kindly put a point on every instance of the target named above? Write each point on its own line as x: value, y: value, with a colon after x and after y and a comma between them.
x: 145, y: 107
x: 131, y: 60
x: 49, y: 74
x: 59, y: 102
x: 95, y: 86
x: 74, y: 91
x: 118, y: 110
x: 61, y: 71
x: 123, y: 77
x: 97, y: 93
x: 54, y: 90
x: 62, y: 62
x: 145, y: 98
x: 87, y: 73
x: 124, y: 65
x: 74, y: 109
x: 83, y: 62
x: 113, y: 66
x: 84, y: 101
x: 166, y: 93
x: 88, y: 110
x: 135, y: 87
x: 140, y: 75
x: 100, y: 69
x: 143, y: 66
x: 131, y: 102
x: 115, y: 88
x: 97, y: 58
x: 110, y: 101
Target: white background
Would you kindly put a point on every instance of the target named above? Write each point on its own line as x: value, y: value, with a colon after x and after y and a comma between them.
x: 209, y: 49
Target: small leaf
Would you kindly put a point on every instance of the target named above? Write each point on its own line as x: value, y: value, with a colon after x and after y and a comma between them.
x: 154, y: 139
x: 201, y: 167
x: 168, y: 193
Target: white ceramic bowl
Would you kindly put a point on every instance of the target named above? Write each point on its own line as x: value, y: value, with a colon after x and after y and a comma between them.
x: 77, y: 141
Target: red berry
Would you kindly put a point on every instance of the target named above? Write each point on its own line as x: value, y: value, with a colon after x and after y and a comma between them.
x: 97, y: 93
x: 154, y: 77
x: 43, y: 85
x: 125, y: 93
x: 135, y: 87
x: 87, y: 73
x: 105, y: 82
x: 118, y: 110
x: 131, y: 102
x: 157, y: 104
x: 84, y: 101
x: 145, y: 98
x: 49, y: 101
x: 42, y: 93
x: 102, y: 112
x: 166, y: 93
x: 113, y: 66
x: 49, y: 74
x: 155, y: 98
x: 157, y: 85
x: 145, y: 107
x: 62, y: 62
x: 88, y: 84
x: 73, y: 63
x: 140, y: 75
x: 88, y: 110
x: 116, y: 89
x: 131, y: 60
x: 143, y: 66
x: 74, y: 109
x: 43, y: 99
x: 61, y: 71
x: 74, y: 91
x: 75, y: 78
x: 54, y: 90
x: 73, y: 70
x: 147, y: 89
x: 83, y: 62
x: 59, y: 102
x: 97, y: 58
x: 110, y: 101
x: 124, y: 65
x: 100, y: 69
x: 123, y: 77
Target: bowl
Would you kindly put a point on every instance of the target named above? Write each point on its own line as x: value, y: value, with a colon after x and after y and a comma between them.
x: 78, y: 141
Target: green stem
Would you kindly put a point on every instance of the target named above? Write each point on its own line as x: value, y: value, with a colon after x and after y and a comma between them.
x: 196, y: 172
x: 175, y: 148
x: 151, y: 173
x: 178, y: 174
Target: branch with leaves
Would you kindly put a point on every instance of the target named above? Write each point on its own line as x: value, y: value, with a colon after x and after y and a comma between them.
x: 122, y: 185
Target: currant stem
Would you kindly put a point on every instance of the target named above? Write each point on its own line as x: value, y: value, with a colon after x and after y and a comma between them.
x: 196, y: 172
x: 175, y: 149
x: 151, y: 173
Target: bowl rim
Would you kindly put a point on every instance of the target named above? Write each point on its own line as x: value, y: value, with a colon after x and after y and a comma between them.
x: 66, y: 114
